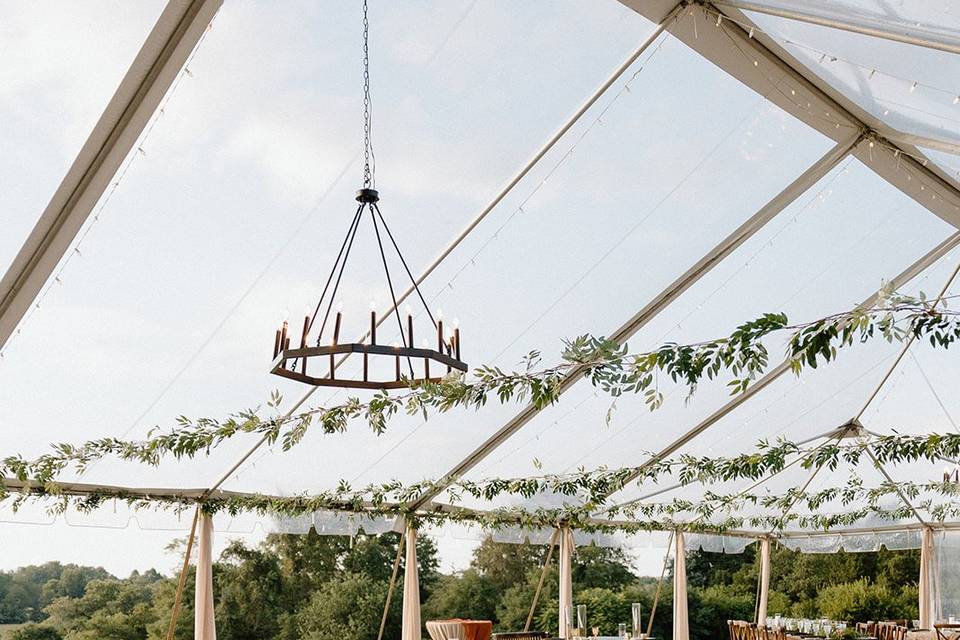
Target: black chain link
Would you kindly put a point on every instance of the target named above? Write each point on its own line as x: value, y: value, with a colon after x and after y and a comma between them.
x: 369, y: 160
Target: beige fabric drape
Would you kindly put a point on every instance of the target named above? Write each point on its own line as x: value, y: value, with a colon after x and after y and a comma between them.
x: 681, y: 624
x: 410, y: 626
x: 204, y: 626
x: 764, y: 582
x: 566, y: 579
x: 925, y: 582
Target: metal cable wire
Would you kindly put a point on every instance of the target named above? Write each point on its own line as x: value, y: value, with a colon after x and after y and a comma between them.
x: 393, y: 295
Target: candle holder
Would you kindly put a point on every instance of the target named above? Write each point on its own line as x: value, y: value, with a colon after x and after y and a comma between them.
x: 317, y: 364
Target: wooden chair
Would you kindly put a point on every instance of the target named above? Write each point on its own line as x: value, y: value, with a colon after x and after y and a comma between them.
x: 740, y: 630
x: 891, y: 630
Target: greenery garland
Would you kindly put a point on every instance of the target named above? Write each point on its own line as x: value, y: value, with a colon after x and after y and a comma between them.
x: 609, y: 367
x: 579, y: 517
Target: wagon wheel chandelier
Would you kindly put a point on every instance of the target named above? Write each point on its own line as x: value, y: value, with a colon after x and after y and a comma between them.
x: 317, y: 364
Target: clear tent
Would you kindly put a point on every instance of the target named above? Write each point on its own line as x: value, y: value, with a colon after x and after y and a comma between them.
x: 733, y: 103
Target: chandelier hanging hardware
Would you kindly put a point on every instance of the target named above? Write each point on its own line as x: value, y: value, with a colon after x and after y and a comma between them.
x: 384, y: 367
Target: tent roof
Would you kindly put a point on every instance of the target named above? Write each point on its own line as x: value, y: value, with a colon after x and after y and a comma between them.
x: 745, y: 161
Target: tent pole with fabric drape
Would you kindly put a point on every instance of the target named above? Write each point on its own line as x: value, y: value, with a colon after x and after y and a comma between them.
x: 926, y: 603
x: 410, y: 625
x: 764, y: 582
x: 681, y: 624
x: 204, y: 626
x: 566, y: 580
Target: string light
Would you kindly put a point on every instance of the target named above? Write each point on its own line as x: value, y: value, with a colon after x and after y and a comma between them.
x: 825, y: 56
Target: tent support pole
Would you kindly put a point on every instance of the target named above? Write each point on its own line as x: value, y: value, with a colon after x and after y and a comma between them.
x: 543, y: 575
x: 182, y: 582
x: 393, y: 583
x: 663, y: 573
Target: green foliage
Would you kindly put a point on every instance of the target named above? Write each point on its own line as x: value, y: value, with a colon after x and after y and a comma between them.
x: 863, y: 600
x: 109, y: 609
x: 469, y: 594
x: 35, y: 631
x: 25, y: 592
x: 348, y: 607
x: 710, y: 608
x: 608, y: 365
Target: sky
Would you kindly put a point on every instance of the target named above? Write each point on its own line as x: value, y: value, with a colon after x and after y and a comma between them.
x: 228, y: 215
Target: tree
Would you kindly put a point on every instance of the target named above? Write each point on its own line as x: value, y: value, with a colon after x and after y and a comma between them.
x: 467, y: 595
x: 602, y: 567
x: 506, y: 565
x: 249, y: 588
x: 108, y: 610
x: 347, y: 607
x: 35, y: 631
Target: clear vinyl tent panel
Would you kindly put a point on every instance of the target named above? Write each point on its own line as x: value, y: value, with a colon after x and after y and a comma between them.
x: 577, y: 247
x: 48, y: 56
x: 769, y: 272
x: 907, y: 87
x: 274, y: 185
x: 620, y: 188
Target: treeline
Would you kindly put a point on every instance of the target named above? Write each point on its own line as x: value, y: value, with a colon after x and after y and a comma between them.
x: 314, y: 587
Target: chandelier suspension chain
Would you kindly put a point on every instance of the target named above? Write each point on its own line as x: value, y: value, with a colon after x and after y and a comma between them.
x: 369, y: 159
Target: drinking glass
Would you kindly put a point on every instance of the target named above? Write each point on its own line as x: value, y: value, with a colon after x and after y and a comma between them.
x: 636, y: 614
x: 622, y: 630
x: 581, y: 620
x: 571, y: 626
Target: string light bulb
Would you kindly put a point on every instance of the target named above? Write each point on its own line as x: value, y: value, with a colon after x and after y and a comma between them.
x: 913, y: 87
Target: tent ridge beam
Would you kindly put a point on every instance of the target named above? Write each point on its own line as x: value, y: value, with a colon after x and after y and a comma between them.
x: 769, y: 70
x: 892, y: 152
